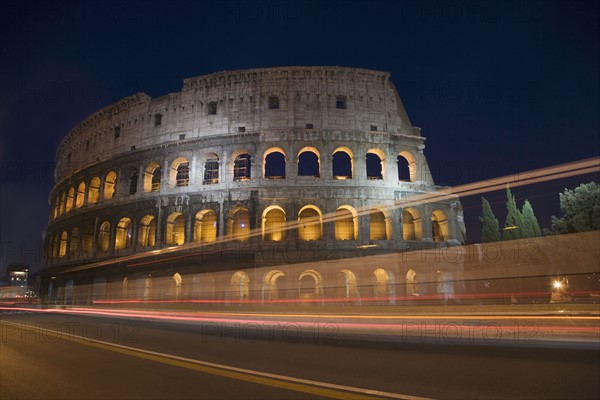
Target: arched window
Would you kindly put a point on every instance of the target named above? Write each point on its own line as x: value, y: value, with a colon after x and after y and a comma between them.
x: 180, y: 172
x: 273, y: 224
x: 211, y: 170
x: 147, y: 231
x: 345, y: 224
x: 240, y: 285
x: 310, y: 284
x: 74, y: 242
x: 378, y: 225
x: 55, y: 246
x: 407, y: 167
x: 308, y: 163
x: 70, y: 199
x: 152, y: 177
x: 109, y: 185
x: 342, y: 164
x: 87, y: 239
x: 274, y: 164
x: 123, y: 234
x: 439, y: 226
x: 205, y: 226
x: 241, y: 167
x: 133, y: 181
x: 104, y: 236
x: 63, y: 201
x: 239, y: 224
x: 375, y: 160
x: 175, y: 230
x: 80, y: 195
x: 94, y: 190
x: 309, y: 223
x: 411, y: 224
x: 64, y: 237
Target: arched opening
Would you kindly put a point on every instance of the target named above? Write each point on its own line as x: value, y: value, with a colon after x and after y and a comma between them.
x: 350, y: 284
x: 310, y: 285
x: 104, y: 236
x: 375, y: 164
x: 385, y: 288
x: 308, y: 162
x: 64, y: 237
x: 109, y: 185
x: 240, y: 286
x: 55, y: 246
x: 63, y: 201
x: 379, y: 228
x: 87, y: 239
x: 346, y: 227
x: 94, y: 190
x: 309, y: 223
x: 70, y: 199
x: 412, y: 286
x: 274, y: 166
x: 177, y: 284
x: 439, y: 226
x: 411, y: 224
x: 55, y: 205
x: 123, y: 234
x: 147, y: 231
x: 271, y: 291
x: 211, y: 170
x: 239, y: 224
x: 407, y: 167
x: 205, y: 226
x: 152, y: 177
x: 74, y: 242
x: 80, y: 195
x: 175, y: 230
x: 242, y: 167
x: 133, y: 181
x: 273, y: 223
x: 179, y: 175
x: 343, y: 165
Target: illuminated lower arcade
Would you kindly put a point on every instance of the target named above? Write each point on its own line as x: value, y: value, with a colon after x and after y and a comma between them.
x: 239, y: 173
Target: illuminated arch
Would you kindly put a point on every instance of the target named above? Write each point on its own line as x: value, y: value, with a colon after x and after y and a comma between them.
x: 152, y: 177
x: 205, y: 226
x: 63, y: 201
x: 412, y: 286
x: 407, y: 166
x: 70, y: 199
x: 87, y: 237
x: 239, y: 224
x: 175, y: 229
x: 109, y: 185
x: 309, y: 162
x: 240, y: 285
x: 379, y: 225
x: 310, y: 284
x: 273, y: 223
x: 274, y: 163
x: 94, y: 190
x: 376, y: 164
x: 64, y: 238
x: 177, y: 283
x: 147, y: 231
x: 123, y: 234
x: 346, y: 224
x: 385, y: 285
x: 439, y: 226
x: 343, y: 163
x: 310, y: 223
x: 104, y: 236
x: 411, y: 224
x: 80, y: 195
x: 270, y: 289
x: 350, y: 284
x: 74, y: 241
x: 179, y: 174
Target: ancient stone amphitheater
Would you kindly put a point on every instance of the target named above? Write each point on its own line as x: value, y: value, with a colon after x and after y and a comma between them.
x: 295, y: 183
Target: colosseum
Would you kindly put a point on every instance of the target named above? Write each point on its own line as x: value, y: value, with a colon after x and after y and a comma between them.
x: 265, y: 185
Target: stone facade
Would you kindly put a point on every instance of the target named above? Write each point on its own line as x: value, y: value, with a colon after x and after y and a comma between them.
x: 302, y: 163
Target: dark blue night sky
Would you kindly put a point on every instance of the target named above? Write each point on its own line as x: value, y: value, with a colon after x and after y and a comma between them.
x: 497, y: 87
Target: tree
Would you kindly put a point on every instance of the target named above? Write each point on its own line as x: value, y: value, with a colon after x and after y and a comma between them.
x: 490, y: 228
x: 581, y: 208
x: 531, y: 228
x: 513, y: 226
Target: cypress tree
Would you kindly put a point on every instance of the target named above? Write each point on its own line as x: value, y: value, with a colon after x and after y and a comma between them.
x: 490, y: 228
x: 514, y: 219
x: 531, y: 228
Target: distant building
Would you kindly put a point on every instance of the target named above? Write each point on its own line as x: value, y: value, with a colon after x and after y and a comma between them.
x: 224, y: 189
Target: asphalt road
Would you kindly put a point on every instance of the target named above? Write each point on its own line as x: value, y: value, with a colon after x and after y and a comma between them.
x: 36, y: 363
